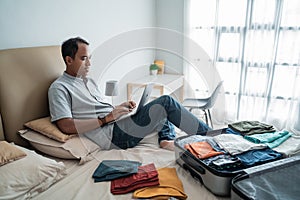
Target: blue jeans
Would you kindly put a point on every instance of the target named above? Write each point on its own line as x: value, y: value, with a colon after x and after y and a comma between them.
x: 158, y: 115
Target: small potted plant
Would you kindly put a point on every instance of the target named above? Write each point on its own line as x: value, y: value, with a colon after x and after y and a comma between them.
x: 153, y: 69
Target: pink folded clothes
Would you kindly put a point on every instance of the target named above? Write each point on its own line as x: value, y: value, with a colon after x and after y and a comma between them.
x: 146, y: 176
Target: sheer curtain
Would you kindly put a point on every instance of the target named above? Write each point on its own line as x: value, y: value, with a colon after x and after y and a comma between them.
x: 255, y: 46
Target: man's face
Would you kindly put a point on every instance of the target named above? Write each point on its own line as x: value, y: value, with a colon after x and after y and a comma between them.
x: 79, y: 66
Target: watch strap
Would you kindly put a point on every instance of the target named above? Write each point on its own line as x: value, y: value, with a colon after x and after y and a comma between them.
x: 103, y: 121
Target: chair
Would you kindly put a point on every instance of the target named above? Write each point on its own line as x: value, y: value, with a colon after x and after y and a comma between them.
x: 204, y: 104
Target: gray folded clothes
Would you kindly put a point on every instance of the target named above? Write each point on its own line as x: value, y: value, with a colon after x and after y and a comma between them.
x: 236, y: 144
x: 251, y: 127
x: 290, y: 147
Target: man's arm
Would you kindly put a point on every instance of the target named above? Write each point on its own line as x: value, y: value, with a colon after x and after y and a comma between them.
x: 78, y: 126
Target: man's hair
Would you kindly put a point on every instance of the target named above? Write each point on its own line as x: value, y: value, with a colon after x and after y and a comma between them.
x: 70, y: 47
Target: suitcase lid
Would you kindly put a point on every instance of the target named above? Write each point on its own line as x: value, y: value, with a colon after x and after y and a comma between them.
x: 274, y: 180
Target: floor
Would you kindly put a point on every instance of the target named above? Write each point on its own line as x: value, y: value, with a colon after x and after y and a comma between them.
x: 201, y: 116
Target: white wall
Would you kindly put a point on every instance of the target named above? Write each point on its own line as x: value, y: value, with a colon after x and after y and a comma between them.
x: 29, y: 23
x: 26, y: 23
x: 170, y: 15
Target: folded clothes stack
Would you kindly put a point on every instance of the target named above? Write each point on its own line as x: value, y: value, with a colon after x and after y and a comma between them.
x: 201, y: 149
x: 272, y: 140
x: 242, y: 144
x: 283, y: 141
x: 144, y: 180
x: 113, y: 169
x: 251, y: 127
x: 169, y: 186
x: 146, y: 176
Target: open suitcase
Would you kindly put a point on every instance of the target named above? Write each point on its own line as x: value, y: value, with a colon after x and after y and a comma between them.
x: 216, y: 180
x: 274, y: 180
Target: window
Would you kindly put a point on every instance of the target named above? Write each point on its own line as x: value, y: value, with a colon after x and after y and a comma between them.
x: 255, y: 45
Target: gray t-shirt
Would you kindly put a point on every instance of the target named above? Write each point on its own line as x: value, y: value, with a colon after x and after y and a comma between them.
x: 71, y: 97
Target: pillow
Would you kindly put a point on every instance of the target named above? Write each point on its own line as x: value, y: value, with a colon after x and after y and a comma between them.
x: 45, y: 127
x: 26, y: 177
x: 9, y: 153
x: 77, y: 147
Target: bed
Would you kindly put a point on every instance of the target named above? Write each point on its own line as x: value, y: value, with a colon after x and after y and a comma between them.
x: 58, y: 166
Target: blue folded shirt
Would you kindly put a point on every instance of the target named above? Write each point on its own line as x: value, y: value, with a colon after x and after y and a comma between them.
x: 258, y: 156
x: 113, y: 169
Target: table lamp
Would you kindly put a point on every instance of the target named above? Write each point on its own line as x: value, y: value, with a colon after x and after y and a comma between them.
x: 112, y: 89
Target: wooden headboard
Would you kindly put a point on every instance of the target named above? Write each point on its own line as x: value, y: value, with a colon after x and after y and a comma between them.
x: 25, y: 76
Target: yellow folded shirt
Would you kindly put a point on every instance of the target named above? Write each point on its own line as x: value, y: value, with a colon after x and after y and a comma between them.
x: 169, y: 186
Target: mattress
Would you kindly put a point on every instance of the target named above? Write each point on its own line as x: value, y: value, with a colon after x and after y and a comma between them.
x: 79, y: 184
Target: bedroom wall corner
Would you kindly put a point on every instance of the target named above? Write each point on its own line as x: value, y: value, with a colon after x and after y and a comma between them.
x: 1, y: 130
x: 170, y: 16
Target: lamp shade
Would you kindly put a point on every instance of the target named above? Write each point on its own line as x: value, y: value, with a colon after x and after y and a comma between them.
x: 111, y: 88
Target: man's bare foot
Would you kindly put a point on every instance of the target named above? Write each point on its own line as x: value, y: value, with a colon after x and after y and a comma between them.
x: 167, y: 144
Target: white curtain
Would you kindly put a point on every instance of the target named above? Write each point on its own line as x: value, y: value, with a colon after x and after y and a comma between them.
x: 255, y: 46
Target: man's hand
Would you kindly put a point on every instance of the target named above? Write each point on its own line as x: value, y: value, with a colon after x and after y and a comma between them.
x: 129, y: 104
x: 120, y: 110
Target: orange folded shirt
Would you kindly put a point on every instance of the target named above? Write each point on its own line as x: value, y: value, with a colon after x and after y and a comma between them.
x: 146, y: 176
x: 202, y: 150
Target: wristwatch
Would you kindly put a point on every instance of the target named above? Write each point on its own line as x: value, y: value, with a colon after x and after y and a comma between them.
x: 103, y: 120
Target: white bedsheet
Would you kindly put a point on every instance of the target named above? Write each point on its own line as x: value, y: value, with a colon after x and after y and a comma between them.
x: 79, y: 183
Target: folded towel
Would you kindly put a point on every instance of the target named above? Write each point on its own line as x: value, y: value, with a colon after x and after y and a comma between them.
x: 169, y: 186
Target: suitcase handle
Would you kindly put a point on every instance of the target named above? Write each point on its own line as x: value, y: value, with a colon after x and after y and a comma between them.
x: 192, y: 163
x: 192, y: 172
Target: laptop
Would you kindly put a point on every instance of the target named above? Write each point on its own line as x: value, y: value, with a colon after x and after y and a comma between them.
x: 143, y: 100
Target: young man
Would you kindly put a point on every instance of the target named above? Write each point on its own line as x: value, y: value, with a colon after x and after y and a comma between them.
x: 76, y: 106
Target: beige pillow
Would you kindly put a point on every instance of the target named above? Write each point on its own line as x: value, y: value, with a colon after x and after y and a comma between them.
x: 29, y: 176
x: 9, y: 153
x: 45, y: 127
x: 77, y: 147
